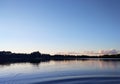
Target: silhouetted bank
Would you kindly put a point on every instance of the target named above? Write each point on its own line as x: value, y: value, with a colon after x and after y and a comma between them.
x: 37, y: 57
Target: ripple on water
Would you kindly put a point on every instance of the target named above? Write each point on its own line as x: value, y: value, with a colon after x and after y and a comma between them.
x: 82, y: 80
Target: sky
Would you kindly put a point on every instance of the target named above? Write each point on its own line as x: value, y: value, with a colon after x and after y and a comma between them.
x: 60, y: 26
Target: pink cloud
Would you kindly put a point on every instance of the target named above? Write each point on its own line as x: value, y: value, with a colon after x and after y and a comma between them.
x: 109, y: 52
x: 68, y: 53
x: 92, y: 53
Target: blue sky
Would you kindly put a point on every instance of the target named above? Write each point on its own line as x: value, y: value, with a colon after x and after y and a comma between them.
x: 52, y: 26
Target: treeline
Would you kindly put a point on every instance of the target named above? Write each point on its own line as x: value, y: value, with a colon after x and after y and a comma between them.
x: 34, y: 57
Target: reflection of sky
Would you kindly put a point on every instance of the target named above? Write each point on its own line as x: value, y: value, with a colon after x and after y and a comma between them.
x: 108, y: 64
x: 81, y: 67
x: 27, y: 73
x: 59, y: 26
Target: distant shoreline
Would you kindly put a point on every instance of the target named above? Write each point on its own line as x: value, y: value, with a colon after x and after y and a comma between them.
x: 7, y: 57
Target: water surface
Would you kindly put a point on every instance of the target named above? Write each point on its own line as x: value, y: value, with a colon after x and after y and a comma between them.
x: 92, y: 71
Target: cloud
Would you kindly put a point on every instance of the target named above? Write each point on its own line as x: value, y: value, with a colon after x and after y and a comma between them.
x: 68, y: 53
x: 102, y: 52
x: 109, y: 52
x: 92, y: 53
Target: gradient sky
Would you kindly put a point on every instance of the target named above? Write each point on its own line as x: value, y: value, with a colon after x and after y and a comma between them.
x: 52, y: 26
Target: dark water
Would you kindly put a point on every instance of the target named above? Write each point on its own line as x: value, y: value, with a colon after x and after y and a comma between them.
x: 93, y: 71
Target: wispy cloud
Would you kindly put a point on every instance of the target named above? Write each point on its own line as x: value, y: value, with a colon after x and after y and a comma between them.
x: 68, y: 53
x: 100, y: 52
x: 109, y: 52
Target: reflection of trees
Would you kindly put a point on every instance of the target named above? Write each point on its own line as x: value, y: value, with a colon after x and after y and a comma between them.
x: 101, y: 63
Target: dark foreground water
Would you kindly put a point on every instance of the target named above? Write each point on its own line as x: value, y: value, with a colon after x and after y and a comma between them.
x: 93, y: 71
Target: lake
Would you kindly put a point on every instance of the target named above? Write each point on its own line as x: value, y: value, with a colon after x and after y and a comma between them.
x: 85, y: 71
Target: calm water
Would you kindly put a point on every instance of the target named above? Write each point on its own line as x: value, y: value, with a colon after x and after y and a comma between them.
x: 92, y: 71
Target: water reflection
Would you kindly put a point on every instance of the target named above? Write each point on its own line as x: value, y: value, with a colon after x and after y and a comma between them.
x: 108, y: 64
x: 101, y: 63
x: 46, y: 69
